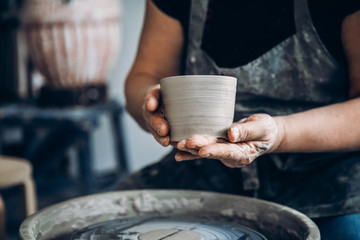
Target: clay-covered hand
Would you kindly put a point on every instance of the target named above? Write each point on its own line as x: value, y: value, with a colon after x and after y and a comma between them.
x: 248, y: 139
x: 153, y: 113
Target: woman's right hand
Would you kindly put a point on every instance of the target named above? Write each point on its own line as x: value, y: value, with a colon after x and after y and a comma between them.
x: 153, y: 113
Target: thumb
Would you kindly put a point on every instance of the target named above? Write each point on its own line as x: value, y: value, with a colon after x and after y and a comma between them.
x: 153, y: 99
x: 245, y: 131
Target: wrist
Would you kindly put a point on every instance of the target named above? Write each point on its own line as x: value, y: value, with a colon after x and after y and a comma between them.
x: 278, y: 145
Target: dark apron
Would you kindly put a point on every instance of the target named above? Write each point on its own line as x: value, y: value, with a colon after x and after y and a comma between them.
x: 294, y: 76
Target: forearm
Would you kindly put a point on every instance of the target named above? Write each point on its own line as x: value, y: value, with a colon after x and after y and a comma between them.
x: 331, y: 128
x: 136, y: 87
x: 158, y: 56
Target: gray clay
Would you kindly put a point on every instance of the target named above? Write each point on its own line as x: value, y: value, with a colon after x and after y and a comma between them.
x: 198, y: 105
x: 170, y: 234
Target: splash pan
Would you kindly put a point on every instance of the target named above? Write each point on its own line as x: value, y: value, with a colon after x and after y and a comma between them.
x: 274, y: 221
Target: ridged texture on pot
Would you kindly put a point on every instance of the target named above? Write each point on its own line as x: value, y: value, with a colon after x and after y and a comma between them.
x: 72, y: 44
x: 198, y: 105
x: 53, y: 11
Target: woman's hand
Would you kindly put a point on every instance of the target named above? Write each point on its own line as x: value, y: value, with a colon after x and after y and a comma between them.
x: 153, y: 113
x: 248, y: 139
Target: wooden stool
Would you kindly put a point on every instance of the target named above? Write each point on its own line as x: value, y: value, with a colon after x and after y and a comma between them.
x: 2, y: 219
x: 13, y: 172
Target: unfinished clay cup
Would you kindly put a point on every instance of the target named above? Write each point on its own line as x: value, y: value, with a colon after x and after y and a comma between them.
x: 198, y: 105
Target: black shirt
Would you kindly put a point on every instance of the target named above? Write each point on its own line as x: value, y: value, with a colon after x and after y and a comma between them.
x: 239, y: 31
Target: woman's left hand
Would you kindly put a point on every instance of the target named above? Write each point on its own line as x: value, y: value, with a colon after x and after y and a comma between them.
x: 248, y: 139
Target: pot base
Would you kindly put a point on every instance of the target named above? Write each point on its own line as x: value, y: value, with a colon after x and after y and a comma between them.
x: 78, y: 96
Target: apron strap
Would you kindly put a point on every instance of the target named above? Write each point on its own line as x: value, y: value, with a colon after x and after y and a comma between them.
x: 303, y: 21
x: 197, y: 21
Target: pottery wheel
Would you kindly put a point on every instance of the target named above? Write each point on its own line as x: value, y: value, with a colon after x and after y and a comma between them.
x: 166, y: 228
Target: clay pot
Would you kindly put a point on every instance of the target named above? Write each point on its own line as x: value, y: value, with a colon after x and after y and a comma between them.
x: 73, y: 43
x: 198, y: 105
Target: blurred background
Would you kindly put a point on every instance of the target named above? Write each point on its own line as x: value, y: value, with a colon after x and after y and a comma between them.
x: 57, y: 112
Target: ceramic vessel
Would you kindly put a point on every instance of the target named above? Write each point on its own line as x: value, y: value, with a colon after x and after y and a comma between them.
x: 73, y: 43
x: 198, y: 105
x: 274, y: 221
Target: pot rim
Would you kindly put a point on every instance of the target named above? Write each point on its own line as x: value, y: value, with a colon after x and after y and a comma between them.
x: 198, y: 76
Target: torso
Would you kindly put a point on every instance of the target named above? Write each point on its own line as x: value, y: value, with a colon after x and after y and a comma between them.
x: 255, y: 37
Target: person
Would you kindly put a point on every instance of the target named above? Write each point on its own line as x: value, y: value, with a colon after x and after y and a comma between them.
x: 296, y: 134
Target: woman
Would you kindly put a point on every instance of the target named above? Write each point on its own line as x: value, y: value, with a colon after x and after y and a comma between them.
x: 296, y: 137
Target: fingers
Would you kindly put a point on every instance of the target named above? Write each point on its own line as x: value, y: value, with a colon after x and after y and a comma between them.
x: 157, y: 125
x: 154, y: 116
x: 240, y: 132
x: 185, y: 156
x: 232, y: 164
x: 237, y: 154
x: 152, y: 99
x: 256, y: 127
x: 230, y: 154
x: 218, y: 151
x: 194, y: 143
x: 197, y: 141
x: 249, y: 138
x: 181, y: 145
x: 163, y: 140
x: 157, y: 122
